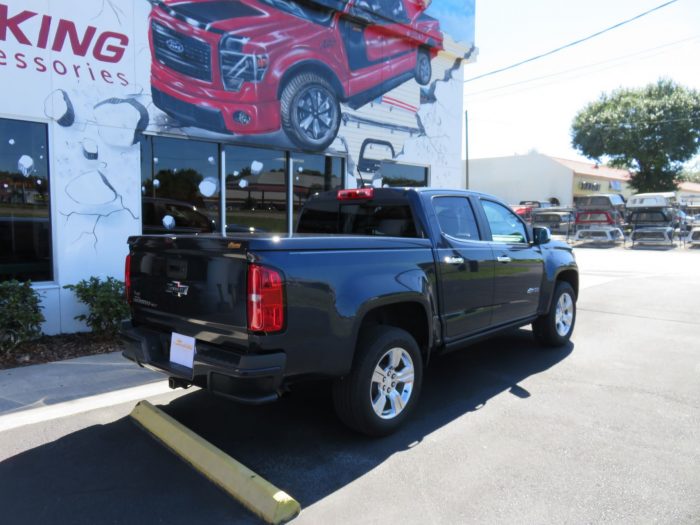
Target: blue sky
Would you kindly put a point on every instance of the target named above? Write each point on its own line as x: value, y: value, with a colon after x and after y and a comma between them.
x: 456, y: 18
x: 531, y: 107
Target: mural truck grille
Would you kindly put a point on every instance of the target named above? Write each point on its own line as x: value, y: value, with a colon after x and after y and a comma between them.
x: 182, y: 53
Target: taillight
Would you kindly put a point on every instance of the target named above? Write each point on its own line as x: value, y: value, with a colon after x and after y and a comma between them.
x: 265, y: 299
x: 127, y: 278
x: 356, y: 194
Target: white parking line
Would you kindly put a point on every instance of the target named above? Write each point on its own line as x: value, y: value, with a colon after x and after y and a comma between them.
x: 78, y: 406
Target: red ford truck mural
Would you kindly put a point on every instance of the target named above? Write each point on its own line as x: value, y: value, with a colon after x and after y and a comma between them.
x: 255, y: 66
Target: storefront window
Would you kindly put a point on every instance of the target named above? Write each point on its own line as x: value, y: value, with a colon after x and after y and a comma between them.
x: 256, y: 190
x: 313, y: 174
x: 395, y: 174
x: 179, y: 186
x: 181, y: 190
x: 25, y: 225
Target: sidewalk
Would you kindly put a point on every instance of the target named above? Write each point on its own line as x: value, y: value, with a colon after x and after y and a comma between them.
x: 51, y: 383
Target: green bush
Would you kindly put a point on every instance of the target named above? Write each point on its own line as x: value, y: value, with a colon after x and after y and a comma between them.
x: 106, y: 302
x: 20, y: 314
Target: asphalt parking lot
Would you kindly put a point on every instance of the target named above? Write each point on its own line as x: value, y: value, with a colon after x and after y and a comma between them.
x: 606, y: 429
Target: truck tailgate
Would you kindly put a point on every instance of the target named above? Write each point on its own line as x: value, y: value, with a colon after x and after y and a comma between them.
x: 191, y: 285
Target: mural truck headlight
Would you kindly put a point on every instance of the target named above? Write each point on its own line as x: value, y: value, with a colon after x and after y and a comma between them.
x: 237, y: 66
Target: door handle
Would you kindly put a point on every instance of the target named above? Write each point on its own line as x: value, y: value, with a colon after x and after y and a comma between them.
x: 453, y: 260
x: 503, y: 259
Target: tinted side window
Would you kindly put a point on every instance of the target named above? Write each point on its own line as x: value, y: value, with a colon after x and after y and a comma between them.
x: 456, y: 217
x: 505, y: 225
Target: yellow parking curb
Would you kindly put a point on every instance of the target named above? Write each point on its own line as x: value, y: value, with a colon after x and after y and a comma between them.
x: 257, y: 494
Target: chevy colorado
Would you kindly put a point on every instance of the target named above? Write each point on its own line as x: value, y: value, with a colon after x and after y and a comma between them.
x: 371, y: 286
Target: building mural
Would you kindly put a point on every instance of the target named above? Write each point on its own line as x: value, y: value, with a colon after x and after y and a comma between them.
x: 374, y: 83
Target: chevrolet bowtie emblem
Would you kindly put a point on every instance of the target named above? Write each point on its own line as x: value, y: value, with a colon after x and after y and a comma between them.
x: 176, y: 288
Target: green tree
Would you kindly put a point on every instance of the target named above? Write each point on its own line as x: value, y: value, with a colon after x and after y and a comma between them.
x: 651, y: 131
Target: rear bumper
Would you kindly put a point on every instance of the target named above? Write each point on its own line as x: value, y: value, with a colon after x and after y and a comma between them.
x: 252, y: 379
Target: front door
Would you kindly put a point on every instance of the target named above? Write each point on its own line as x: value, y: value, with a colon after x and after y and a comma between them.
x: 519, y: 268
x: 466, y: 269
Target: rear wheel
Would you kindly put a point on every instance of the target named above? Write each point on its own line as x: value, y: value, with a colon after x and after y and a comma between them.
x: 382, y: 389
x: 555, y: 327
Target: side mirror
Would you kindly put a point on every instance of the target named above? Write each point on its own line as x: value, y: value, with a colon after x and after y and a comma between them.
x: 540, y: 235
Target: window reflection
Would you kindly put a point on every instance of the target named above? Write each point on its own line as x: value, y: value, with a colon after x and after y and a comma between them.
x: 395, y: 174
x: 25, y: 227
x: 180, y: 187
x: 314, y: 174
x: 256, y: 190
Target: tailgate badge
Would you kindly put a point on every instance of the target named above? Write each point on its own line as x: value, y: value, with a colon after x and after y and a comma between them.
x: 234, y: 245
x: 176, y: 288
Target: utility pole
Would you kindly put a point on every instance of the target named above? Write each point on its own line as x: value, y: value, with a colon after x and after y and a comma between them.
x: 466, y: 149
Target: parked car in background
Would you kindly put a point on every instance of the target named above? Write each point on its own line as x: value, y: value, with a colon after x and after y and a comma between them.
x: 652, y: 200
x: 536, y: 204
x: 559, y: 221
x: 604, y: 201
x: 523, y: 211
x: 652, y: 225
x: 599, y: 225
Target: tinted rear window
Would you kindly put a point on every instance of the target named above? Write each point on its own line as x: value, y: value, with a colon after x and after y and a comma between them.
x: 358, y: 218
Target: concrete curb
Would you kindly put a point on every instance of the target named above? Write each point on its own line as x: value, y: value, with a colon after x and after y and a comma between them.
x: 257, y: 494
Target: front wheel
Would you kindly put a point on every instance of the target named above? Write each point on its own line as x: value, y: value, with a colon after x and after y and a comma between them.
x: 423, y: 68
x: 383, y: 387
x: 555, y: 327
x: 310, y: 111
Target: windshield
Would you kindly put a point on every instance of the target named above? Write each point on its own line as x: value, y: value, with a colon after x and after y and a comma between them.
x: 304, y: 9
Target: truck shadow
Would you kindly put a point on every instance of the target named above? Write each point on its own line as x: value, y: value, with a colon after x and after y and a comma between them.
x: 117, y: 473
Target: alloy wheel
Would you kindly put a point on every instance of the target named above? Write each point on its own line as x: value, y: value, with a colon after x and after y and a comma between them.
x: 392, y: 383
x: 564, y: 314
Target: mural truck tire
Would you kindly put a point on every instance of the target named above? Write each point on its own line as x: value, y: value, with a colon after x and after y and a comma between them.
x: 424, y: 70
x: 310, y: 111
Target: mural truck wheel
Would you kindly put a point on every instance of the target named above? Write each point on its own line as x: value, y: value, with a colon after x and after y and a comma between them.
x: 310, y: 111
x: 423, y: 68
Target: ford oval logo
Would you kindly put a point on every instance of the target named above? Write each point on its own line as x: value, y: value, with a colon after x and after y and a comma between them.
x: 175, y: 45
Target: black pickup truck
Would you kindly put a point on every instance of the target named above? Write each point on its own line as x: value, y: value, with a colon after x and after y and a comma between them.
x: 372, y: 285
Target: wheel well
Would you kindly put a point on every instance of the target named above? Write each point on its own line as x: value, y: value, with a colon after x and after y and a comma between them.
x: 571, y: 277
x: 410, y: 317
x: 312, y: 67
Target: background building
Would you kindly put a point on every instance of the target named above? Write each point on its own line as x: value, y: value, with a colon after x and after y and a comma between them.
x: 539, y: 177
x: 126, y: 116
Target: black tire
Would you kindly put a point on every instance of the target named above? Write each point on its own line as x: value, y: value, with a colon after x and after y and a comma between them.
x: 424, y: 70
x: 547, y: 329
x: 310, y: 111
x: 353, y: 394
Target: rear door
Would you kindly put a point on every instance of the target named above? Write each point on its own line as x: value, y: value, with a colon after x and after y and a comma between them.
x: 466, y: 268
x: 519, y: 266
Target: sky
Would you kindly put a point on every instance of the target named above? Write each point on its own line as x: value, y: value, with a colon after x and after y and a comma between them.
x: 532, y: 106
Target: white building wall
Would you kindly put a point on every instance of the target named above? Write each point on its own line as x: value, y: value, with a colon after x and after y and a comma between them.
x: 522, y: 177
x: 96, y: 202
